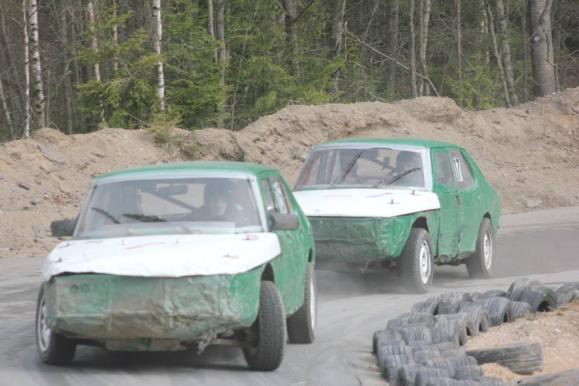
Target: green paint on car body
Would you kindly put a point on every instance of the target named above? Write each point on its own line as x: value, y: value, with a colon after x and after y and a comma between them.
x: 453, y: 228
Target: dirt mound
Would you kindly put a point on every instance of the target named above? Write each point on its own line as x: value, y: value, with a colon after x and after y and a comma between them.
x: 530, y: 153
x: 557, y: 332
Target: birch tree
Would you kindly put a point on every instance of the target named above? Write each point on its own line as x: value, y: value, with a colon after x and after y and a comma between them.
x: 220, y: 35
x: 506, y: 51
x: 542, y: 56
x: 158, y: 38
x: 291, y: 12
x: 38, y: 84
x: 425, y: 7
x: 26, y: 49
x: 94, y: 44
x: 491, y: 24
x: 337, y: 36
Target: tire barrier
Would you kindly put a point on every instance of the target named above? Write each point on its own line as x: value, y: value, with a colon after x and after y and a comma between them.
x: 423, y: 347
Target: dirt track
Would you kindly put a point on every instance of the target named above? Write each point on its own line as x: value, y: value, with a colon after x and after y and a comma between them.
x: 351, y: 307
x: 530, y: 153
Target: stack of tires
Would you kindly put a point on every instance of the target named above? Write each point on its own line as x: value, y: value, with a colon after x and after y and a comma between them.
x: 423, y: 347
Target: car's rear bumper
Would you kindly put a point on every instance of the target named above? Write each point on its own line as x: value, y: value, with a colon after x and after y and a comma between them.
x: 138, y: 313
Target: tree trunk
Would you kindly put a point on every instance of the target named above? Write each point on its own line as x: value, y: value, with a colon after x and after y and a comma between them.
x: 412, y: 51
x: 94, y: 44
x: 115, y: 37
x: 15, y: 73
x: 483, y: 34
x: 7, y: 117
x: 291, y: 12
x: 157, y: 43
x: 497, y: 54
x: 542, y: 57
x: 425, y: 7
x: 458, y: 21
x: 211, y: 26
x: 220, y: 31
x: 38, y: 84
x: 67, y: 74
x: 525, y: 51
x: 337, y: 37
x: 393, y: 15
x: 26, y: 48
x: 506, y: 50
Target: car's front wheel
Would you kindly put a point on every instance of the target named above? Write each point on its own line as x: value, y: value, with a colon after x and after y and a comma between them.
x: 301, y: 325
x: 481, y: 263
x: 267, y: 337
x: 416, y: 264
x: 53, y: 348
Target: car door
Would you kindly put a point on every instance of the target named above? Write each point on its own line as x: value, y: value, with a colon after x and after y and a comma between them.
x: 469, y: 196
x: 450, y: 204
x: 285, y: 269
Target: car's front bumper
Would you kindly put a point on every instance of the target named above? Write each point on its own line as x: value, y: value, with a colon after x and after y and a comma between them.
x: 138, y: 313
x: 359, y: 239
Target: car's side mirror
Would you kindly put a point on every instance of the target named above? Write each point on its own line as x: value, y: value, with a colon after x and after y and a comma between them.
x: 284, y: 222
x: 62, y: 228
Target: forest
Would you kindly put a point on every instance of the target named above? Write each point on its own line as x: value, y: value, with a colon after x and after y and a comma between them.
x: 81, y: 65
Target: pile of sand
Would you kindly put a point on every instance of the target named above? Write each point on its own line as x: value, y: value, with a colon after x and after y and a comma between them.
x: 557, y: 332
x: 530, y: 153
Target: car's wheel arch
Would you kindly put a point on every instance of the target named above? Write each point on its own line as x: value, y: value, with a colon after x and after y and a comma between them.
x: 268, y: 274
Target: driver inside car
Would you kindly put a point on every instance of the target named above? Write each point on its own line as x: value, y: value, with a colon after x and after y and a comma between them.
x: 408, y: 170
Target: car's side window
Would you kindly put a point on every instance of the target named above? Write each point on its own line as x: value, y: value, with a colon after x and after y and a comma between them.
x: 462, y: 173
x: 267, y: 196
x: 279, y: 195
x: 442, y: 169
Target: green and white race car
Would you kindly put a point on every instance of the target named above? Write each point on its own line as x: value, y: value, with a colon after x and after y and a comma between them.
x: 180, y: 256
x: 399, y: 203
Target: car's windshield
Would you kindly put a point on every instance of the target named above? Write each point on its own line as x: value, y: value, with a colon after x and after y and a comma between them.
x: 170, y: 206
x: 380, y: 167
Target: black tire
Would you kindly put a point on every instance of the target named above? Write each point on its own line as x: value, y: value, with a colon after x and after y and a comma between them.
x: 392, y: 364
x: 478, y: 317
x: 53, y: 348
x: 493, y: 293
x: 481, y: 263
x: 425, y: 374
x: 450, y: 325
x: 540, y: 298
x: 416, y: 277
x: 449, y: 303
x: 472, y: 372
x: 301, y: 325
x: 392, y: 349
x: 499, y: 310
x: 265, y: 352
x: 413, y: 334
x: 429, y: 306
x: 523, y: 358
x: 520, y: 309
x: 385, y: 337
x: 411, y: 319
x: 519, y: 285
x: 567, y: 293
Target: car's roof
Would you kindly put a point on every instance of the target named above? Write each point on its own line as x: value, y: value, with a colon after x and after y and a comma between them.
x: 427, y: 143
x: 208, y: 167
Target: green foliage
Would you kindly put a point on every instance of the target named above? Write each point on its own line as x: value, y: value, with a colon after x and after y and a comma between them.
x: 479, y: 89
x: 161, y: 128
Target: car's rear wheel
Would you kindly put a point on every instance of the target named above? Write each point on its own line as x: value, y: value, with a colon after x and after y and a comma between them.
x: 481, y: 263
x: 267, y: 336
x: 53, y: 348
x: 301, y: 325
x: 416, y: 264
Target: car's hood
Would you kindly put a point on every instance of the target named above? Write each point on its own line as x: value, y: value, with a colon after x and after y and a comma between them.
x: 163, y: 256
x: 365, y: 202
